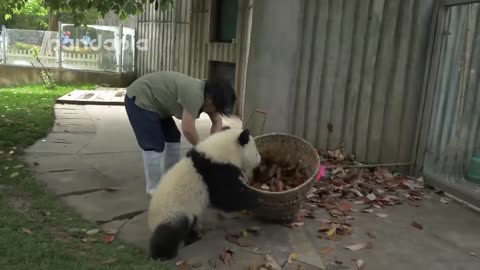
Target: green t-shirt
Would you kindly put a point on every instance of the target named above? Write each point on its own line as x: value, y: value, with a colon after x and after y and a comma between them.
x: 168, y: 93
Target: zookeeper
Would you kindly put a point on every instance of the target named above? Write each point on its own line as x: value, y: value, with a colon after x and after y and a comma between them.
x: 154, y: 99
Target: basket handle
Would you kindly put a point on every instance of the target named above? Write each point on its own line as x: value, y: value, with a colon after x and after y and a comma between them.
x: 260, y: 111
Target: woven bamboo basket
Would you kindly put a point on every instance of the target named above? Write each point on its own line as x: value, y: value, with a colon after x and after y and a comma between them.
x: 284, y: 206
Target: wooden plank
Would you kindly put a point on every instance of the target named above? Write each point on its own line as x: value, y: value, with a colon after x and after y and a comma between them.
x: 368, y: 76
x: 75, y: 94
x: 329, y: 70
x: 459, y: 2
x: 384, y: 68
x: 317, y: 56
x: 342, y: 74
x: 355, y: 76
x: 105, y: 97
x: 395, y: 99
x: 423, y: 14
x: 432, y: 67
x: 301, y: 86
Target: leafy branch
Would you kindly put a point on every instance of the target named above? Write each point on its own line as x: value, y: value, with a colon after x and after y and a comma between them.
x: 78, y: 8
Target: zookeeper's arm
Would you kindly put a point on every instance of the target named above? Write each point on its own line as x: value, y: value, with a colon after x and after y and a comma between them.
x: 216, y: 122
x: 188, y: 128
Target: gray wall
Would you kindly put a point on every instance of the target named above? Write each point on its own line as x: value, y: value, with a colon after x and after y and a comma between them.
x: 271, y: 72
x: 354, y: 64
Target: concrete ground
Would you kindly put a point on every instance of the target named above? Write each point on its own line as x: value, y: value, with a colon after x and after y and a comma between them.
x: 92, y: 147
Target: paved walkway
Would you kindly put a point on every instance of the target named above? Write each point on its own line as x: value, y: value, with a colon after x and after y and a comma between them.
x: 93, y: 147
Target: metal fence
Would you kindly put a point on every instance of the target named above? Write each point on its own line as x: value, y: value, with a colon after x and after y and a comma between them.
x: 453, y: 105
x: 94, y: 47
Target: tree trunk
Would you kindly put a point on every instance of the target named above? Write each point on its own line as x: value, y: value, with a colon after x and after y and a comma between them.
x: 53, y: 19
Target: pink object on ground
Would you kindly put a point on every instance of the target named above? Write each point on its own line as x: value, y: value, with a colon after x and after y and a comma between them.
x: 321, y: 173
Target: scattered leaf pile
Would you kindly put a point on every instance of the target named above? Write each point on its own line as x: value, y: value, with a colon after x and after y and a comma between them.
x: 349, y: 186
x: 278, y: 175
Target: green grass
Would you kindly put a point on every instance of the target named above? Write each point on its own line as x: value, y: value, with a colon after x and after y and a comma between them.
x: 56, y: 240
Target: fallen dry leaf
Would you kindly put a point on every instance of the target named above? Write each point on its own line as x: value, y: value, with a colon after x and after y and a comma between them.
x: 382, y: 215
x: 346, y: 206
x: 110, y: 260
x: 326, y: 250
x: 254, y: 229
x: 360, y: 264
x: 240, y: 241
x: 108, y: 238
x: 475, y: 254
x: 271, y: 263
x: 371, y: 197
x: 110, y: 231
x: 299, y: 220
x: 335, y: 237
x: 27, y: 231
x: 182, y: 265
x: 336, y: 213
x: 417, y: 225
x: 332, y: 229
x: 226, y: 256
x: 356, y: 247
x: 324, y: 227
x: 92, y: 231
x: 444, y: 200
x: 383, y: 174
x: 414, y: 204
x: 292, y: 257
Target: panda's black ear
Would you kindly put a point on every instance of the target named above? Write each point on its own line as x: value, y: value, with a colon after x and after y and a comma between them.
x: 244, y: 137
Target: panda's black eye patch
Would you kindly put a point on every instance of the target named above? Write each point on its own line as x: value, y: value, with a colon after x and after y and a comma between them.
x: 244, y: 137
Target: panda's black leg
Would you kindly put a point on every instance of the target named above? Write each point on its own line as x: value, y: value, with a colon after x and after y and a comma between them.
x: 194, y: 233
x: 192, y: 237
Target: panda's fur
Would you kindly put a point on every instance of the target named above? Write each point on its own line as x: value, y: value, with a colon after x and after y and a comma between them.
x: 209, y: 177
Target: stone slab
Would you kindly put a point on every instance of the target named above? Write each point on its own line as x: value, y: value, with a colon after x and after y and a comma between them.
x: 70, y: 112
x: 210, y: 248
x: 301, y: 242
x: 61, y: 143
x: 105, y: 205
x: 124, y: 167
x: 74, y: 125
x: 115, y: 225
x: 51, y: 162
x: 136, y: 231
x: 76, y: 180
x: 114, y: 133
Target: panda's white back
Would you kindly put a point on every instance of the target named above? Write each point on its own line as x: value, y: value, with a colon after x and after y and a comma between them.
x: 181, y: 190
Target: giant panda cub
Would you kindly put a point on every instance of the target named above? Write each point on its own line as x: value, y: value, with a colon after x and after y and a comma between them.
x: 208, y: 178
